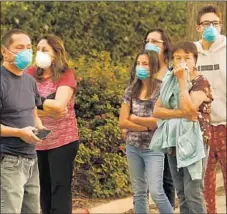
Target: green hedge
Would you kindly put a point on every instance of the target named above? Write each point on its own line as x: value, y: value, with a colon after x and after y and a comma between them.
x: 116, y: 27
x: 101, y: 165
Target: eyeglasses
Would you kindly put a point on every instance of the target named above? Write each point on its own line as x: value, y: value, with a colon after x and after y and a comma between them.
x: 208, y: 23
x: 154, y: 41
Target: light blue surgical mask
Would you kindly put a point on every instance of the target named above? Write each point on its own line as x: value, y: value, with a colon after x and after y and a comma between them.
x: 151, y: 47
x: 22, y: 59
x: 210, y: 33
x: 142, y: 73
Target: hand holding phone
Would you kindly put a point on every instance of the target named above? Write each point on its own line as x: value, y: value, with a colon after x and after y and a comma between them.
x: 42, y: 133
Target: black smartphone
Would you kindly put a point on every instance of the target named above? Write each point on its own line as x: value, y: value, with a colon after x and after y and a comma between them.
x: 42, y: 133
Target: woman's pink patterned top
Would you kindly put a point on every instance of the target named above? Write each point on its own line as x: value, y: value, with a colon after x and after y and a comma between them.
x: 64, y: 130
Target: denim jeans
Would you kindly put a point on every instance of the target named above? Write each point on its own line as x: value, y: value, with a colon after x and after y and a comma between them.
x: 168, y: 184
x: 189, y: 192
x: 19, y: 185
x: 146, y: 171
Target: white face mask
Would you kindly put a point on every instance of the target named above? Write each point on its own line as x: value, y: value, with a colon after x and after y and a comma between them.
x: 43, y: 60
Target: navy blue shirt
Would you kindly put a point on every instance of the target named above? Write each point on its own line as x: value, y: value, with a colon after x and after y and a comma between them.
x: 18, y: 98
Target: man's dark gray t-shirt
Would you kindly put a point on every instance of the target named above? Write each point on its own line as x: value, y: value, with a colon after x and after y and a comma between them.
x: 18, y: 98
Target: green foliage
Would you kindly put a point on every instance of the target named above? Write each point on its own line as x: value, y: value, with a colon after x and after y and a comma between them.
x: 115, y: 27
x: 101, y: 165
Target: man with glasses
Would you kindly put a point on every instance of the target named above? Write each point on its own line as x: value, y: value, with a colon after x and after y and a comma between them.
x: 212, y: 64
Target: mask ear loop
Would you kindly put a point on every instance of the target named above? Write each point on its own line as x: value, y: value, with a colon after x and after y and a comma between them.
x: 9, y: 52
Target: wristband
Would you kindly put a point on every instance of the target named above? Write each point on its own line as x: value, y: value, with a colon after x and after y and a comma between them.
x: 40, y: 107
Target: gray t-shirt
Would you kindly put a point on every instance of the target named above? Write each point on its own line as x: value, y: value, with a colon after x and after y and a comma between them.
x: 141, y: 108
x: 18, y: 98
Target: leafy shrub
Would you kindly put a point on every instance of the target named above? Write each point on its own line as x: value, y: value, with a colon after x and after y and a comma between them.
x: 117, y: 27
x: 101, y: 165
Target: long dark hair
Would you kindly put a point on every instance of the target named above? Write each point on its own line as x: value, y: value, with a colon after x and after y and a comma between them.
x: 154, y: 66
x: 60, y: 63
x: 166, y: 43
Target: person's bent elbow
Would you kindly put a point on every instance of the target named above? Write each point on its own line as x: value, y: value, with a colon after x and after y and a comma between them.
x: 155, y: 113
x: 190, y: 111
x: 57, y: 108
x: 121, y: 124
x: 60, y: 109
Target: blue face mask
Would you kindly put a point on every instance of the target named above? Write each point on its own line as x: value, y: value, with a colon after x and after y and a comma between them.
x: 210, y: 33
x: 150, y: 47
x: 142, y: 73
x: 22, y: 59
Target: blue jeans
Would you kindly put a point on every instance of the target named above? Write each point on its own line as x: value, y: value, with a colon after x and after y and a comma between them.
x: 146, y: 171
x: 19, y: 185
x: 189, y: 192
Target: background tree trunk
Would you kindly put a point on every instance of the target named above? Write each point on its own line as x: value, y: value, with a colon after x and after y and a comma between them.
x: 193, y: 8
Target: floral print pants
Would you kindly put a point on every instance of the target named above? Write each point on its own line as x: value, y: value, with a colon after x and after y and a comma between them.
x: 217, y: 154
